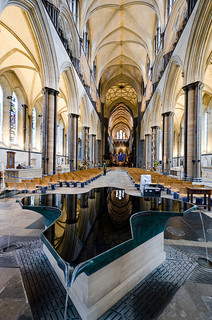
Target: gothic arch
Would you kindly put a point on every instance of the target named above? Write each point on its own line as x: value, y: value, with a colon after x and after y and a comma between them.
x: 199, y: 45
x: 173, y: 84
x: 70, y: 87
x: 156, y: 110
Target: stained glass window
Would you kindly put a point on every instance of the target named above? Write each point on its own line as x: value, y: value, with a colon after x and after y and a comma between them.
x: 205, y: 132
x: 1, y: 112
x: 60, y: 137
x: 34, y: 123
x: 121, y: 135
x: 13, y: 118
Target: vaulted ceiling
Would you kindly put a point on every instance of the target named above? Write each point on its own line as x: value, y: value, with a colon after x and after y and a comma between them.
x: 121, y: 35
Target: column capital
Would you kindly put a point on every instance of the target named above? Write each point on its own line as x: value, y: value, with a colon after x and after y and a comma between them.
x: 193, y: 85
x: 147, y: 135
x: 86, y: 127
x: 169, y: 113
x: 74, y: 115
x: 50, y: 91
x: 155, y: 127
x: 24, y: 106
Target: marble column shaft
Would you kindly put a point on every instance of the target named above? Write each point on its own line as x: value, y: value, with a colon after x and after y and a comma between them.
x: 49, y: 130
x: 85, y: 144
x: 24, y: 123
x: 94, y: 148
x: 143, y: 153
x: 30, y: 139
x: 73, y: 141
x: 99, y: 151
x: 155, y: 144
x: 192, y: 129
x: 167, y: 144
x: 148, y: 142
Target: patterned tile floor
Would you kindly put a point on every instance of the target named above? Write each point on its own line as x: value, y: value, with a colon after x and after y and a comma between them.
x: 178, y: 289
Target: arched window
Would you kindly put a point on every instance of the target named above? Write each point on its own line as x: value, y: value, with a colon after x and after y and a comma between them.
x: 13, y: 118
x: 205, y: 132
x: 169, y: 6
x: 60, y: 137
x: 1, y: 112
x: 121, y: 135
x: 79, y: 148
x: 157, y: 37
x: 34, y: 124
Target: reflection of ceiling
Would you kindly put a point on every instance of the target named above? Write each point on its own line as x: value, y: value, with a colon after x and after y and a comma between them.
x: 121, y: 90
x: 119, y: 207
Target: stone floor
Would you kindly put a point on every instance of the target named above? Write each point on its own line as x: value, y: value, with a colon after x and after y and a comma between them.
x: 178, y: 289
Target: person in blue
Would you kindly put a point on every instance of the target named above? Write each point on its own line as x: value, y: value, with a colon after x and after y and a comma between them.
x: 105, y: 168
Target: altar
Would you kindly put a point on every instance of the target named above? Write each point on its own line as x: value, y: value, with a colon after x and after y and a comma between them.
x: 17, y: 175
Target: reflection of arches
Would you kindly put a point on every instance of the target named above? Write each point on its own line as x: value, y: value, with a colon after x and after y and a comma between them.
x: 119, y: 207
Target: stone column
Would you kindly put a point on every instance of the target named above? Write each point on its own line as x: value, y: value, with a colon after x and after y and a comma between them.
x: 143, y: 154
x: 64, y: 153
x: 177, y: 147
x: 73, y: 141
x: 148, y: 142
x: 138, y: 144
x: 99, y: 151
x: 76, y: 116
x: 192, y: 130
x: 24, y: 123
x: 49, y: 130
x: 85, y: 144
x: 93, y: 149
x: 155, y: 144
x: 6, y: 119
x: 167, y: 144
x: 30, y: 139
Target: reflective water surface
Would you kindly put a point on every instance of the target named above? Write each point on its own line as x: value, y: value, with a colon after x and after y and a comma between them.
x: 95, y: 222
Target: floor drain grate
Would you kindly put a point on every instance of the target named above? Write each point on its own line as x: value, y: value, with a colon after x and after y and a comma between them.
x: 204, y: 262
x: 10, y: 248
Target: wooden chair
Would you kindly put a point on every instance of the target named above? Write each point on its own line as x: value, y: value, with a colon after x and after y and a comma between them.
x: 31, y: 187
x: 20, y: 186
x: 10, y: 186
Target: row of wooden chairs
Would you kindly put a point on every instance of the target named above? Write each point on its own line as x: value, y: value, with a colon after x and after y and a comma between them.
x: 175, y: 186
x: 70, y: 178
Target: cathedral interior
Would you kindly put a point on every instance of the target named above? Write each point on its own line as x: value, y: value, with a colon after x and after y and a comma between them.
x: 124, y: 85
